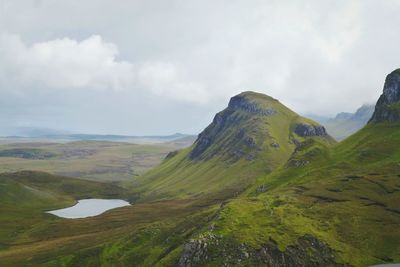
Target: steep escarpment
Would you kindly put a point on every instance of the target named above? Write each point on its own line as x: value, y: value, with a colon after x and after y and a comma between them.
x: 327, y: 206
x: 250, y: 119
x: 253, y: 136
x: 387, y: 108
x: 229, y: 133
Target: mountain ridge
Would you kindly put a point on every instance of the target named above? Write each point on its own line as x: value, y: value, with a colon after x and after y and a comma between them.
x: 254, y: 135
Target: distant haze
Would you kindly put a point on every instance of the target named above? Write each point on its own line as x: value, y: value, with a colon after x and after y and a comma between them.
x: 160, y: 67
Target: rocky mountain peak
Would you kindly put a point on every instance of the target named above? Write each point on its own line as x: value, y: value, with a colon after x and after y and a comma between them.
x: 251, y: 102
x: 253, y: 123
x: 391, y: 90
x: 387, y: 108
x: 233, y: 122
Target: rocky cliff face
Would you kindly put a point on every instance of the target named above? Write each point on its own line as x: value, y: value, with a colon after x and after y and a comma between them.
x: 308, y: 251
x: 240, y: 102
x: 243, y: 128
x: 388, y: 106
x: 304, y: 130
x: 229, y: 130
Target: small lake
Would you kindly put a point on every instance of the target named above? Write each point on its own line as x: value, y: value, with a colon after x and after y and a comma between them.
x: 89, y: 207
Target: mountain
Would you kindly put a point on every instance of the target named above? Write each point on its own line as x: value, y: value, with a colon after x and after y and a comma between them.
x: 340, y: 209
x: 261, y: 186
x: 346, y: 124
x: 253, y: 136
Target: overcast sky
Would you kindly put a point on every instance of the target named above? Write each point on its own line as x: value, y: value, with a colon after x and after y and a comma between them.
x: 160, y: 67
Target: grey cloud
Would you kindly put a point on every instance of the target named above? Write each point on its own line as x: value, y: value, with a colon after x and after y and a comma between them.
x: 186, y: 58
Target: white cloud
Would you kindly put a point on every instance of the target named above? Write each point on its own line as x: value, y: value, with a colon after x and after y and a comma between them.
x: 65, y: 63
x: 317, y: 57
x: 163, y: 79
x: 89, y: 64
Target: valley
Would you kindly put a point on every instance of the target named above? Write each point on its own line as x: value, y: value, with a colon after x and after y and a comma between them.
x: 86, y: 159
x: 261, y: 186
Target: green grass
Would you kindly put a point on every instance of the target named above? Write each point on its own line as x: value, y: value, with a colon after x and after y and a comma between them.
x: 25, y: 196
x: 142, y: 233
x: 92, y: 160
x: 348, y: 197
x: 234, y: 132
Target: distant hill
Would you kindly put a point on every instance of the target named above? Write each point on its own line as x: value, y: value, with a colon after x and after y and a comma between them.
x: 46, y: 135
x: 345, y: 123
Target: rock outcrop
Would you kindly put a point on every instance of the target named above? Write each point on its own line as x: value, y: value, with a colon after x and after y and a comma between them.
x: 240, y: 102
x: 387, y: 108
x: 231, y: 121
x: 308, y: 251
x: 304, y: 130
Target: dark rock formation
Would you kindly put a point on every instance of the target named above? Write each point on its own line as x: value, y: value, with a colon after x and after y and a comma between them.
x: 304, y: 130
x: 298, y: 163
x: 240, y: 102
x: 231, y: 120
x: 308, y: 252
x: 388, y: 106
x: 275, y: 145
x: 213, y: 250
x: 262, y: 189
x: 172, y: 154
x: 206, y: 138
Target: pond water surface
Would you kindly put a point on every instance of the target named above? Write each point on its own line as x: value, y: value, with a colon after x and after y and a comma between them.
x: 89, y: 207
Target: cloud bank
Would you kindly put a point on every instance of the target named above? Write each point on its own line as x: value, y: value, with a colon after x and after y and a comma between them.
x: 92, y: 63
x: 151, y: 67
x: 65, y: 63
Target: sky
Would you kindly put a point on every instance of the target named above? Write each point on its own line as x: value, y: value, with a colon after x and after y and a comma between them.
x: 160, y: 67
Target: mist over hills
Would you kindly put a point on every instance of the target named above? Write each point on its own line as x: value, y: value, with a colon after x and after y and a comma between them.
x: 345, y: 124
x: 45, y: 134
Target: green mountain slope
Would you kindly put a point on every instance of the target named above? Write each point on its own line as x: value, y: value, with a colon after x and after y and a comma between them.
x: 253, y: 136
x: 261, y: 186
x: 342, y: 208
